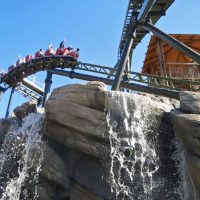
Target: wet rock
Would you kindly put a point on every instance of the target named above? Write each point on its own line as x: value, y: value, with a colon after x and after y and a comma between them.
x: 76, y: 140
x: 190, y: 102
x: 187, y: 127
x: 86, y: 120
x: 78, y: 192
x: 48, y: 190
x: 26, y: 108
x: 86, y: 171
x: 193, y: 165
x: 5, y: 125
x: 54, y: 169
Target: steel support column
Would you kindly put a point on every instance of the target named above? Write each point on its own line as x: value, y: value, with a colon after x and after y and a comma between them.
x: 9, y: 102
x: 48, y: 82
x: 173, y: 42
x: 147, y: 4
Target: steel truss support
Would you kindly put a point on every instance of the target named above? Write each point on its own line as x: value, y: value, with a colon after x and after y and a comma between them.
x: 147, y: 4
x: 172, y: 41
x: 9, y: 102
x: 48, y: 82
x: 131, y: 86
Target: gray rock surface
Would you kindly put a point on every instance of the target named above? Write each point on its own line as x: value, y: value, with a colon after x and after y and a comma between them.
x: 76, y: 140
x: 5, y: 125
x: 193, y: 165
x: 86, y: 120
x: 91, y: 95
x: 26, y: 108
x: 78, y: 192
x: 190, y: 102
x: 186, y: 122
x: 54, y: 169
x: 187, y: 127
x: 75, y: 118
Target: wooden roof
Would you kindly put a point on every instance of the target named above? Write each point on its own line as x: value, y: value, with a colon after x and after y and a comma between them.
x: 171, y: 54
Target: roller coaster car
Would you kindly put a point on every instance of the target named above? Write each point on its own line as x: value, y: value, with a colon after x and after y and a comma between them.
x: 29, y: 57
x: 11, y: 68
x: 39, y: 54
x: 49, y: 52
x: 63, y: 52
x: 2, y: 75
x: 20, y: 61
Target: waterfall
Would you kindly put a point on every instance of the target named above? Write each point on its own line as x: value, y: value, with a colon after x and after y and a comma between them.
x: 21, y: 156
x: 135, y: 169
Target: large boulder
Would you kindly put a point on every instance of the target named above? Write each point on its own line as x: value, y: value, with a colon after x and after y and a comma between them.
x: 75, y: 118
x: 91, y: 95
x: 190, y: 102
x: 25, y: 109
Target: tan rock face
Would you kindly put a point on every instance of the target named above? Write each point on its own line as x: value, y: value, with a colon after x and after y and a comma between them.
x: 75, y: 118
x: 91, y: 95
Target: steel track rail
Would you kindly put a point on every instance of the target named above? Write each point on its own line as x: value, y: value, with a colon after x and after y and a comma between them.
x: 16, y: 76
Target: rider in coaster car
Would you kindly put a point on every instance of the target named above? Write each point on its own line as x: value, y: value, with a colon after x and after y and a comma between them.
x: 76, y: 53
x: 41, y: 52
x: 62, y: 44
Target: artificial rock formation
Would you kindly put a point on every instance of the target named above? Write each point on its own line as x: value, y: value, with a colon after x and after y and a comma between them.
x: 77, y: 129
x: 186, y: 122
x: 76, y: 113
x: 76, y: 161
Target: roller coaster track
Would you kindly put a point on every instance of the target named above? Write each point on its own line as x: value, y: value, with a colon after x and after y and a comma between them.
x: 155, y: 13
x: 18, y: 75
x: 140, y: 17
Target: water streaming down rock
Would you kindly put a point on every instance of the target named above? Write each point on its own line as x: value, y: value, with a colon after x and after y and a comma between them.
x: 147, y: 160
x: 21, y: 156
x: 137, y: 168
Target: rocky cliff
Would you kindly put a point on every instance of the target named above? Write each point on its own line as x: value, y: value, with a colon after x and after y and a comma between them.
x: 186, y: 122
x: 99, y: 144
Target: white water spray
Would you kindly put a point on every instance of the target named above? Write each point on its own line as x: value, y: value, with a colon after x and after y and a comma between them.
x: 22, y: 155
x: 131, y: 118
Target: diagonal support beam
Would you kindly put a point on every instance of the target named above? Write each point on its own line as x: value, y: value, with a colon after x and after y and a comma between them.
x: 172, y: 41
x: 147, y: 4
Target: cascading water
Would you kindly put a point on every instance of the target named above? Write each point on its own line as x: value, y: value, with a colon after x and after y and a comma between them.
x: 21, y: 156
x: 137, y: 169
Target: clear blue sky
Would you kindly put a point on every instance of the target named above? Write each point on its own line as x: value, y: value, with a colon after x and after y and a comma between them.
x: 93, y: 26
